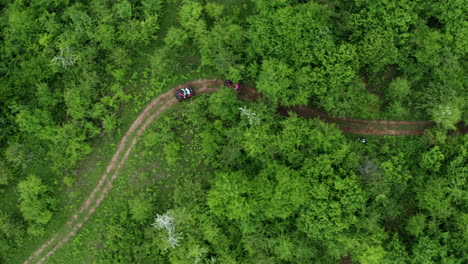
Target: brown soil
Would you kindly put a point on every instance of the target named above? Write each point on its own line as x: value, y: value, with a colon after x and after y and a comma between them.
x: 162, y: 103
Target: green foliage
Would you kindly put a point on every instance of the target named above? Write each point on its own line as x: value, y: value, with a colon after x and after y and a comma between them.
x: 171, y: 150
x: 430, y: 251
x: 68, y: 181
x: 124, y: 9
x: 138, y: 33
x: 34, y: 201
x: 11, y: 234
x: 429, y: 50
x: 432, y: 159
x: 5, y: 173
x: 287, y: 196
x: 10, y: 229
x: 110, y: 123
x: 60, y: 57
x: 398, y: 89
x: 326, y: 215
x: 175, y: 37
x: 416, y: 225
x: 395, y: 170
x: 151, y: 7
x: 214, y: 10
x: 300, y: 33
x: 225, y: 106
x: 275, y: 81
x: 372, y: 255
x: 16, y: 154
x: 220, y: 46
x: 190, y: 14
x: 140, y: 208
x: 229, y: 196
x: 436, y: 199
x: 446, y: 115
x: 378, y: 49
x: 67, y: 144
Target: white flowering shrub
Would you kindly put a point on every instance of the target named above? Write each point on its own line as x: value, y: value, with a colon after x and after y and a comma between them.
x: 65, y: 58
x: 166, y: 221
x: 446, y: 115
x: 251, y: 115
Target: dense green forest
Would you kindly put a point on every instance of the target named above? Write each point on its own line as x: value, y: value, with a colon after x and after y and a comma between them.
x: 218, y: 179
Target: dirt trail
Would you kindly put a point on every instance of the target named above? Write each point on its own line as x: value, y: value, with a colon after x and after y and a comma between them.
x: 162, y: 103
x: 349, y: 125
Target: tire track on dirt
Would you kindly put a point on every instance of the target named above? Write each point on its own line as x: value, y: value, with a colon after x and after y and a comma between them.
x: 161, y: 104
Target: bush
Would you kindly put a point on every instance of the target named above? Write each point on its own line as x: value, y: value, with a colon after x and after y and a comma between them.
x: 416, y: 225
x: 175, y: 37
x: 5, y: 173
x: 214, y: 10
x: 34, y: 202
x: 140, y: 208
x: 446, y: 115
x: 398, y: 89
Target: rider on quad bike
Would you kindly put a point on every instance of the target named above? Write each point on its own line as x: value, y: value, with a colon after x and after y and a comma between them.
x: 184, y: 93
x: 228, y: 83
x: 237, y: 87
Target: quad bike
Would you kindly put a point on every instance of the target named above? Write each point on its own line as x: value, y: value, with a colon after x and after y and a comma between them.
x: 228, y: 83
x: 184, y: 93
x: 236, y: 87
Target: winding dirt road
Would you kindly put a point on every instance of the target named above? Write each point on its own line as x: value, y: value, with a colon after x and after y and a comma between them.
x: 162, y: 103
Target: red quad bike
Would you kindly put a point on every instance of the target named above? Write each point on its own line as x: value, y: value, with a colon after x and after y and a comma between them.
x: 236, y: 87
x: 228, y: 83
x: 184, y: 93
